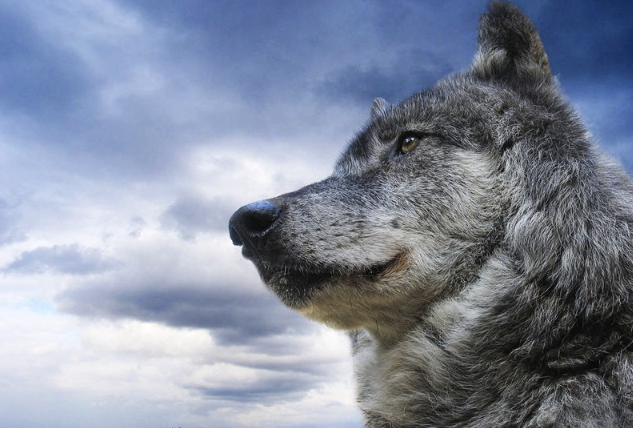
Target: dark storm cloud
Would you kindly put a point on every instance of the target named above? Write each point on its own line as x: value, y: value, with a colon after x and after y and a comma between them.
x: 284, y: 386
x: 606, y: 108
x: 362, y: 86
x: 37, y: 76
x: 363, y: 49
x: 286, y: 382
x: 55, y: 96
x: 590, y: 41
x: 70, y: 259
x: 233, y: 316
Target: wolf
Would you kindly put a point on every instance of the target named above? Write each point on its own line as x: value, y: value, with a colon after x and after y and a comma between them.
x: 475, y: 244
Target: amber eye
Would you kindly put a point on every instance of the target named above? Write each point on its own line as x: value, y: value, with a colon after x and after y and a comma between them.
x: 408, y: 144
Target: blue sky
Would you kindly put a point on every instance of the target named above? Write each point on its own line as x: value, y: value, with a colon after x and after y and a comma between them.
x: 130, y: 131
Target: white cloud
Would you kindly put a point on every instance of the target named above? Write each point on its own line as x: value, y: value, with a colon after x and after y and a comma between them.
x: 132, y: 370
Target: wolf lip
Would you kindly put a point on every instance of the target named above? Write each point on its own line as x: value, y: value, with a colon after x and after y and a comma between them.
x: 374, y: 271
x: 297, y: 284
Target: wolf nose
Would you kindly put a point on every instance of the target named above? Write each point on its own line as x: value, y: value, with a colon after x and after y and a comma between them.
x: 252, y: 221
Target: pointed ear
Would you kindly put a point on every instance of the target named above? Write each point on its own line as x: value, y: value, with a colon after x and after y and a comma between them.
x: 378, y: 108
x: 509, y: 46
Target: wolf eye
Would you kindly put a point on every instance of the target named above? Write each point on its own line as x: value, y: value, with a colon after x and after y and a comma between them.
x: 408, y: 143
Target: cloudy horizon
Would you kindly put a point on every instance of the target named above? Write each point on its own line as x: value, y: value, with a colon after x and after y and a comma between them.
x: 132, y: 129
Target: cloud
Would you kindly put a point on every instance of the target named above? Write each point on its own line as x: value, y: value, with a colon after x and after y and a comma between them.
x: 68, y: 259
x: 393, y: 83
x: 236, y: 384
x: 607, y: 116
x: 233, y: 316
x: 589, y: 45
x: 38, y: 76
x: 193, y: 214
x: 94, y: 86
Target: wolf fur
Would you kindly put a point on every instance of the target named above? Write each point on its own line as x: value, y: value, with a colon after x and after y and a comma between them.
x: 477, y: 247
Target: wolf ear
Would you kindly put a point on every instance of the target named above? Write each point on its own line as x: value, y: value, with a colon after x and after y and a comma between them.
x: 509, y: 46
x: 378, y: 108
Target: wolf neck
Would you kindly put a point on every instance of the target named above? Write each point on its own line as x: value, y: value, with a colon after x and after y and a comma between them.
x: 389, y: 332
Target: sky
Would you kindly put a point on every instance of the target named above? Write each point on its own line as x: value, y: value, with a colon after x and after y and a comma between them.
x: 130, y: 130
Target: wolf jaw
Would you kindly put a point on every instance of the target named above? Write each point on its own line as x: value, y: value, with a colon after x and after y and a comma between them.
x: 296, y: 285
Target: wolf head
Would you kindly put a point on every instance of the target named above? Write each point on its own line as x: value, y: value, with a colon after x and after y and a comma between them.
x: 430, y: 190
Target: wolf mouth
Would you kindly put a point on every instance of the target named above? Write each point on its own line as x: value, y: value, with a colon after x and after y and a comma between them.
x: 295, y: 285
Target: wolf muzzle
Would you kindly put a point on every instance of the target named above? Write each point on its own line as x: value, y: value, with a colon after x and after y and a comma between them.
x: 249, y: 225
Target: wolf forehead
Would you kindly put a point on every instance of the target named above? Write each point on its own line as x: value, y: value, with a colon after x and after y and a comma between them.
x: 461, y: 111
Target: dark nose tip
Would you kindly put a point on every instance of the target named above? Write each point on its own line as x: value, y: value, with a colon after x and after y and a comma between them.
x: 252, y: 221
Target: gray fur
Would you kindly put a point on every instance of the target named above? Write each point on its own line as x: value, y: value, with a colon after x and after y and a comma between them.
x: 485, y: 275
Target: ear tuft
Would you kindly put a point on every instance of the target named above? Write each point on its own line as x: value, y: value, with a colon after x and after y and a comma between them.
x: 509, y: 46
x: 378, y: 108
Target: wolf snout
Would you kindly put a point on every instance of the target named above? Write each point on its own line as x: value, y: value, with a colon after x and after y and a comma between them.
x: 249, y: 224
